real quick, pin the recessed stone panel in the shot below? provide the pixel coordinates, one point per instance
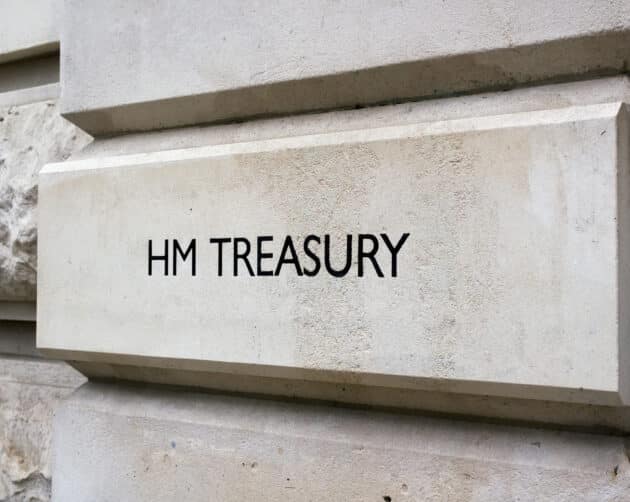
(476, 255)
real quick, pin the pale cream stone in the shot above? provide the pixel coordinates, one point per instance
(28, 28)
(509, 284)
(31, 134)
(30, 390)
(115, 442)
(162, 66)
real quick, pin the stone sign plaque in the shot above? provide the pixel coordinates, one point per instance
(479, 255)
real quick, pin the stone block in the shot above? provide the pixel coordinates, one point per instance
(31, 134)
(114, 442)
(163, 66)
(509, 283)
(30, 390)
(28, 27)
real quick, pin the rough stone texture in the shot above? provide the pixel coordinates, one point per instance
(30, 389)
(30, 135)
(120, 443)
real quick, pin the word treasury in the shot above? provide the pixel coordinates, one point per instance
(237, 256)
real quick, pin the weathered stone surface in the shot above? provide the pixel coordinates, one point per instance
(544, 97)
(163, 66)
(30, 390)
(30, 135)
(508, 284)
(114, 442)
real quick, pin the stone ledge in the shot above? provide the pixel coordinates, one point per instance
(29, 28)
(38, 372)
(28, 74)
(543, 97)
(438, 401)
(388, 56)
(17, 311)
(17, 338)
(137, 443)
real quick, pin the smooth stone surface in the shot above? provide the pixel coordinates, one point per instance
(509, 285)
(31, 134)
(30, 390)
(114, 442)
(438, 402)
(543, 97)
(28, 28)
(128, 65)
(30, 95)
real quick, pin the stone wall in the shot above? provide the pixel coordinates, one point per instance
(507, 381)
(32, 133)
(31, 389)
(168, 444)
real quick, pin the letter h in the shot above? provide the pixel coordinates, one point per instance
(163, 257)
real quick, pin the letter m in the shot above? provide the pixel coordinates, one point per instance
(178, 252)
